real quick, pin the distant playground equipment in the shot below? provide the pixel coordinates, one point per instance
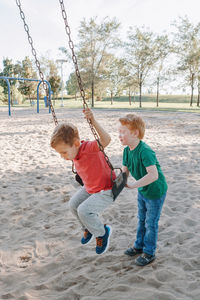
(46, 101)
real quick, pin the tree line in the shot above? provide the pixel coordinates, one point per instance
(21, 90)
(111, 66)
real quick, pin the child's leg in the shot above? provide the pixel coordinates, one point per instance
(79, 197)
(90, 209)
(154, 208)
(139, 243)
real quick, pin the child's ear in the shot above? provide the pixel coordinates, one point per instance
(77, 143)
(136, 132)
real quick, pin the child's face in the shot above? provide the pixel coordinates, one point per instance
(66, 151)
(126, 136)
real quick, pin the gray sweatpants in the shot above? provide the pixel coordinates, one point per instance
(87, 207)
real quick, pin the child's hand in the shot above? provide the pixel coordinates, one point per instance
(130, 186)
(88, 114)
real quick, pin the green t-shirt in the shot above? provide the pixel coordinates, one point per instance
(136, 161)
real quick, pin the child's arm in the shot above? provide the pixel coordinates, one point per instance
(104, 137)
(151, 176)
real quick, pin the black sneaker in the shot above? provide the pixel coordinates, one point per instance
(87, 237)
(144, 259)
(133, 251)
(102, 242)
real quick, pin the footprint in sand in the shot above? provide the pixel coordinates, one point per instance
(48, 188)
(66, 198)
(41, 249)
(24, 261)
(190, 222)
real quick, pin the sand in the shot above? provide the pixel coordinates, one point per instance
(40, 252)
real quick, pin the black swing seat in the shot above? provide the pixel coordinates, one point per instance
(78, 179)
(118, 184)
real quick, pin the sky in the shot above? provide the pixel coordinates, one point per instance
(47, 29)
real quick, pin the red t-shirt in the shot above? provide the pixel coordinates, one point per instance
(92, 167)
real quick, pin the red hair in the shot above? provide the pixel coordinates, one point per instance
(133, 121)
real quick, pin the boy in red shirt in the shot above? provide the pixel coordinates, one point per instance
(96, 194)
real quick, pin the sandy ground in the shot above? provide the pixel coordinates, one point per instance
(40, 252)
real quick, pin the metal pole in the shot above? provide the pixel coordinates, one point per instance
(49, 94)
(38, 97)
(9, 102)
(62, 83)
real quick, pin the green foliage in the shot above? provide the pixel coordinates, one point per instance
(55, 81)
(187, 48)
(27, 88)
(143, 51)
(95, 42)
(2, 95)
(8, 71)
(53, 78)
(72, 85)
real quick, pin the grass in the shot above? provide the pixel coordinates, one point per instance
(152, 98)
(166, 103)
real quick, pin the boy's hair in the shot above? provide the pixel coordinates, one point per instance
(132, 121)
(64, 132)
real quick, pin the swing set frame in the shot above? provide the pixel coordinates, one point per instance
(7, 79)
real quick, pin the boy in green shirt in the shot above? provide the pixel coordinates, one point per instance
(140, 160)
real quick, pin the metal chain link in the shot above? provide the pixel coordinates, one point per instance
(30, 40)
(82, 92)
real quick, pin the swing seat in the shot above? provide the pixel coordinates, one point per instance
(118, 184)
(78, 179)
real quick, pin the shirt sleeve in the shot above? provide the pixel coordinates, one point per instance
(92, 146)
(125, 158)
(148, 157)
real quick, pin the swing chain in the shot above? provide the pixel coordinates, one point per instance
(78, 75)
(30, 40)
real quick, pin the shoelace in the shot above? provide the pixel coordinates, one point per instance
(99, 242)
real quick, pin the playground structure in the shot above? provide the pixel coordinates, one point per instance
(7, 79)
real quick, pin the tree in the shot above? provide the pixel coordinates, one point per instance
(164, 49)
(51, 73)
(95, 41)
(198, 87)
(141, 54)
(8, 71)
(3, 98)
(113, 75)
(27, 88)
(72, 85)
(186, 42)
(53, 77)
(130, 82)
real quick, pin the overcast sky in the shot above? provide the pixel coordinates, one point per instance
(47, 27)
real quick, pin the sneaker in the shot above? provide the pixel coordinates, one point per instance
(133, 251)
(87, 237)
(144, 259)
(102, 242)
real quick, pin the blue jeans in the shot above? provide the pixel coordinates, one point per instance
(148, 216)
